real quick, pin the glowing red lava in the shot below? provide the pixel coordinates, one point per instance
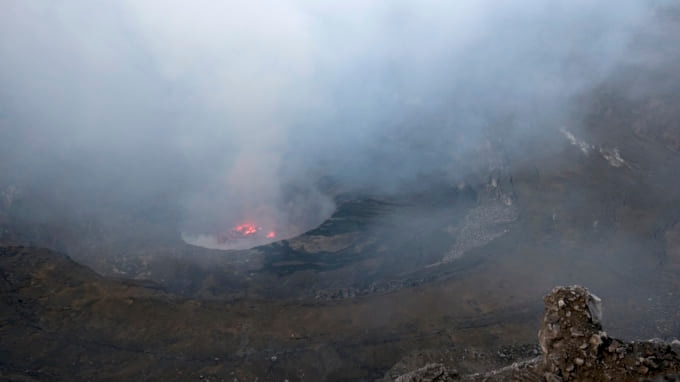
(244, 230)
(247, 229)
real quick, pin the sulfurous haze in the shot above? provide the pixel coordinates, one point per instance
(235, 112)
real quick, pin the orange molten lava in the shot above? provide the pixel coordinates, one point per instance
(247, 229)
(244, 230)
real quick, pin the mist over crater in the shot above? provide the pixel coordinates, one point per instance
(237, 223)
(231, 113)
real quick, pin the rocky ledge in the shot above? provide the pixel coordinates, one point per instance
(575, 348)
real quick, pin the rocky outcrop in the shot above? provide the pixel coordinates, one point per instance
(576, 348)
(571, 335)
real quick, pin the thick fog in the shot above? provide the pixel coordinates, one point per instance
(236, 112)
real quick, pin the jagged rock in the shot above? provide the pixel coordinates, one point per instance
(576, 348)
(571, 335)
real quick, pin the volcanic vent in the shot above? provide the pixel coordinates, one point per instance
(241, 236)
(246, 227)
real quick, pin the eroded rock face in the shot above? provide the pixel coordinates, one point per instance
(576, 348)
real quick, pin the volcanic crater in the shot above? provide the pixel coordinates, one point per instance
(450, 271)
